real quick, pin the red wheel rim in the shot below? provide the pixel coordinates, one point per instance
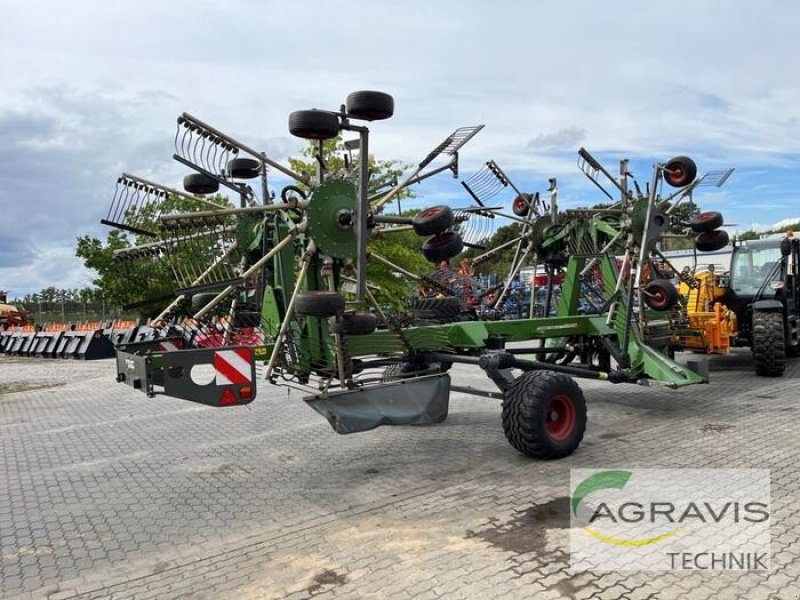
(431, 212)
(658, 297)
(560, 417)
(675, 174)
(706, 216)
(519, 203)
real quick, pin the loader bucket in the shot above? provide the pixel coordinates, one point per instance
(417, 401)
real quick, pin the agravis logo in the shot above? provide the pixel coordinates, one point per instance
(670, 518)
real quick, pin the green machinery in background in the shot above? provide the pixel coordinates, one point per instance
(293, 270)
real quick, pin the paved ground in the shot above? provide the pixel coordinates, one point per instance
(109, 494)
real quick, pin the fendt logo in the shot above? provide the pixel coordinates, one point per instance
(671, 518)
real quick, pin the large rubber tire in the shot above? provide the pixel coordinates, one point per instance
(243, 168)
(358, 323)
(709, 241)
(438, 310)
(661, 294)
(433, 220)
(369, 105)
(706, 221)
(769, 345)
(521, 205)
(544, 414)
(319, 304)
(442, 246)
(313, 124)
(197, 183)
(680, 171)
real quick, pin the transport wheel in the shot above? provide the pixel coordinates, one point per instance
(442, 246)
(769, 346)
(680, 171)
(706, 221)
(660, 294)
(197, 183)
(708, 241)
(544, 414)
(521, 205)
(244, 168)
(369, 105)
(358, 323)
(433, 220)
(313, 124)
(319, 303)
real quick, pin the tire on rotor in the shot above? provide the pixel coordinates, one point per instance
(433, 220)
(709, 241)
(769, 344)
(443, 246)
(200, 184)
(660, 294)
(319, 303)
(544, 414)
(706, 221)
(680, 171)
(200, 300)
(243, 168)
(369, 105)
(313, 124)
(358, 323)
(521, 205)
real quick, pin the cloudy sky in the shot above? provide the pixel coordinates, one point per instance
(92, 88)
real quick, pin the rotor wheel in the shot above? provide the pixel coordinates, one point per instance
(319, 303)
(369, 105)
(433, 220)
(243, 168)
(443, 246)
(706, 221)
(200, 184)
(313, 124)
(769, 344)
(521, 205)
(544, 414)
(709, 241)
(358, 323)
(680, 171)
(660, 295)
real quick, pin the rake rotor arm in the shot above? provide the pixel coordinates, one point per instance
(255, 153)
(169, 190)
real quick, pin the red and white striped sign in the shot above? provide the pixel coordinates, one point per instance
(233, 366)
(170, 346)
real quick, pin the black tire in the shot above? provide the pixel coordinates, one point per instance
(358, 323)
(433, 220)
(246, 318)
(369, 105)
(769, 344)
(313, 124)
(706, 221)
(521, 205)
(243, 168)
(319, 304)
(544, 414)
(709, 241)
(660, 294)
(197, 183)
(680, 171)
(438, 310)
(200, 300)
(442, 246)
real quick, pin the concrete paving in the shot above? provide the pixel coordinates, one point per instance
(110, 494)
